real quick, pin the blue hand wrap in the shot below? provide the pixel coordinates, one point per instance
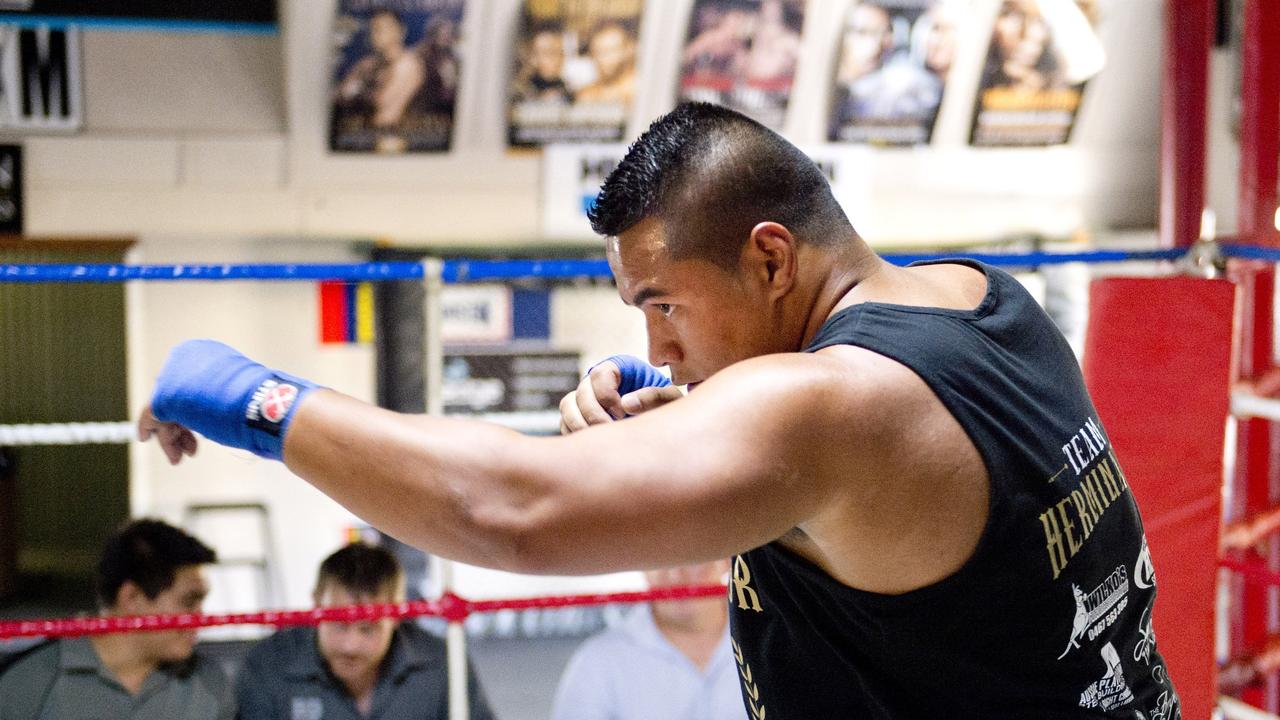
(635, 373)
(212, 389)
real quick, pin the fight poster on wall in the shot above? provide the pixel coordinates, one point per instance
(395, 76)
(1042, 53)
(893, 63)
(742, 54)
(575, 71)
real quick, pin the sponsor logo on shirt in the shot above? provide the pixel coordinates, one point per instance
(1111, 691)
(750, 687)
(740, 586)
(1144, 573)
(1096, 485)
(1099, 609)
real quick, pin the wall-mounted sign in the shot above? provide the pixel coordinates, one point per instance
(508, 382)
(40, 79)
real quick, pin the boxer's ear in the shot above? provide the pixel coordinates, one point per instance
(771, 256)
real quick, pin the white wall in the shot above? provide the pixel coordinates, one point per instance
(217, 135)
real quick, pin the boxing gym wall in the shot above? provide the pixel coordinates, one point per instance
(232, 165)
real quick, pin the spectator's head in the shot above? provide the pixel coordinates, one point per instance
(152, 568)
(685, 613)
(357, 574)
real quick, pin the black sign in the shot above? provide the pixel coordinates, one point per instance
(508, 382)
(10, 190)
(228, 11)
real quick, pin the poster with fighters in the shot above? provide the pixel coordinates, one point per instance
(575, 71)
(1042, 52)
(893, 63)
(742, 54)
(395, 75)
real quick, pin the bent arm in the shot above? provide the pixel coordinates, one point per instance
(731, 467)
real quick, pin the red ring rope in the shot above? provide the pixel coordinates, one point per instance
(451, 607)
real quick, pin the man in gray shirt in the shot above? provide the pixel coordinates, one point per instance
(371, 670)
(147, 568)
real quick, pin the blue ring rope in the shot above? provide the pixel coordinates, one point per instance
(470, 271)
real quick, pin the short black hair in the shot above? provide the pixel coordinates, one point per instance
(148, 553)
(361, 569)
(717, 173)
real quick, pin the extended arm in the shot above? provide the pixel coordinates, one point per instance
(724, 470)
(746, 458)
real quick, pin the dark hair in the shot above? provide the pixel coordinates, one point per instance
(147, 553)
(715, 174)
(361, 569)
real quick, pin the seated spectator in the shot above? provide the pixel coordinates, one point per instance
(668, 660)
(147, 568)
(380, 670)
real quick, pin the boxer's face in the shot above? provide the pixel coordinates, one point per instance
(354, 651)
(699, 317)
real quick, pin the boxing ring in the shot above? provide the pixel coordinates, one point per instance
(1183, 520)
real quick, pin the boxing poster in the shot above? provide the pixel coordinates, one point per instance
(742, 54)
(575, 71)
(891, 70)
(395, 76)
(1041, 54)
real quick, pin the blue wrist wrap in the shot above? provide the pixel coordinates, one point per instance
(635, 373)
(212, 389)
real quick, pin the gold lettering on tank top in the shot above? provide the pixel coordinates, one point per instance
(747, 597)
(750, 687)
(1100, 483)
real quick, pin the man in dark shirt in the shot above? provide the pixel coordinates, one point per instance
(903, 461)
(375, 670)
(147, 568)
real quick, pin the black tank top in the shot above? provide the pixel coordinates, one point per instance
(1050, 617)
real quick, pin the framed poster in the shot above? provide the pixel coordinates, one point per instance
(575, 71)
(742, 54)
(395, 75)
(1042, 52)
(892, 68)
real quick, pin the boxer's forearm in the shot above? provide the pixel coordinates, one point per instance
(448, 486)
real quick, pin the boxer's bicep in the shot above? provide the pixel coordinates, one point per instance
(745, 459)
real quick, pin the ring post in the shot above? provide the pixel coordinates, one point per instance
(432, 382)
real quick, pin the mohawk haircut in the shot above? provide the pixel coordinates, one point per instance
(710, 175)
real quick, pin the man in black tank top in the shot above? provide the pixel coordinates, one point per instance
(925, 515)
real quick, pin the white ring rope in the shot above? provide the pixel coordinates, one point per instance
(89, 433)
(1245, 404)
(1233, 709)
(123, 433)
